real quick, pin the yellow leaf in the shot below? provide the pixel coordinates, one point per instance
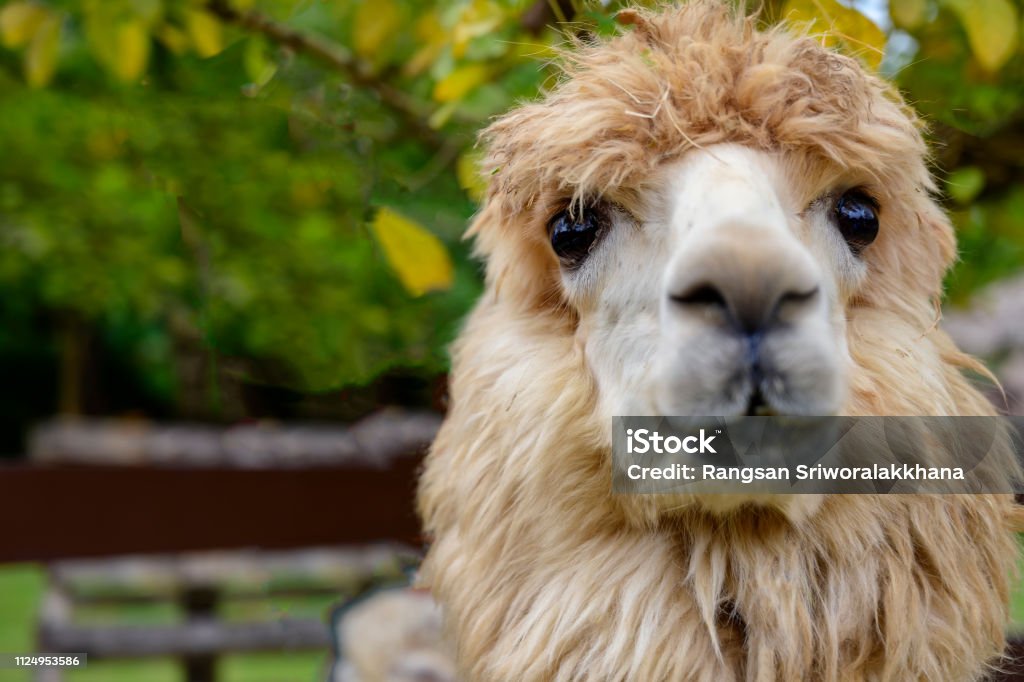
(459, 82)
(441, 116)
(418, 257)
(375, 22)
(992, 29)
(467, 170)
(205, 31)
(429, 28)
(131, 51)
(478, 18)
(433, 37)
(19, 21)
(41, 55)
(907, 13)
(173, 38)
(120, 42)
(422, 59)
(839, 26)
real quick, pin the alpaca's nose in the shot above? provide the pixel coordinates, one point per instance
(746, 279)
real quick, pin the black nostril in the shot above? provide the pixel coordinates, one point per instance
(755, 403)
(749, 310)
(701, 294)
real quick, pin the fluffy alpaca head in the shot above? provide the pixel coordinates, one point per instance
(726, 221)
(699, 177)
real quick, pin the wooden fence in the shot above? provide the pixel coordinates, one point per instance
(94, 489)
(199, 585)
(173, 514)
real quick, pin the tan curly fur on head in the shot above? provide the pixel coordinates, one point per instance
(712, 159)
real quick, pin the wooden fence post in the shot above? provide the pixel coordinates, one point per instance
(199, 604)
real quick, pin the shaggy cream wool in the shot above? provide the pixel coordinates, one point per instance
(543, 574)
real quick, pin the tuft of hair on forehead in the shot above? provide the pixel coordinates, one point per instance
(690, 76)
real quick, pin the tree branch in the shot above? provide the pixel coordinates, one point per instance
(335, 57)
(542, 14)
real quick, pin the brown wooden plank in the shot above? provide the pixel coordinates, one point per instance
(62, 512)
(194, 639)
(373, 441)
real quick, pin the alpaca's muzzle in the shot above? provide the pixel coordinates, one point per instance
(745, 318)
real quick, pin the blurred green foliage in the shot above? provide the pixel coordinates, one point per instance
(278, 187)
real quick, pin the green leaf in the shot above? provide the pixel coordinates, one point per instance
(907, 14)
(467, 170)
(375, 22)
(964, 184)
(258, 66)
(418, 257)
(839, 26)
(992, 29)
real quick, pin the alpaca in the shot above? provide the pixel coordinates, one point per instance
(705, 218)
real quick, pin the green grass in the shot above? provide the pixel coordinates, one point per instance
(21, 588)
(298, 667)
(305, 667)
(1017, 608)
(1017, 598)
(149, 670)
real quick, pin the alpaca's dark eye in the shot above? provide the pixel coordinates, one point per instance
(857, 218)
(574, 230)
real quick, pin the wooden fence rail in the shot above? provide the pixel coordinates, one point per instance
(106, 488)
(60, 512)
(190, 639)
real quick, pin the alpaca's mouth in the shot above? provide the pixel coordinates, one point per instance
(757, 406)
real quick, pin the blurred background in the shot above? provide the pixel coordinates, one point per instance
(231, 213)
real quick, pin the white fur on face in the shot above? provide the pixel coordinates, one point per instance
(714, 288)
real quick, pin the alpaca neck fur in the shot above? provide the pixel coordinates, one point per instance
(544, 575)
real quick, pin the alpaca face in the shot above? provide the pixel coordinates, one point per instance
(724, 221)
(707, 219)
(717, 293)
